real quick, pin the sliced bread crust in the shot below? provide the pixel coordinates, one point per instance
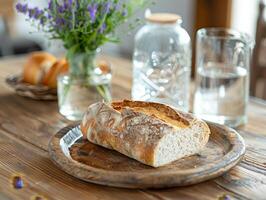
(152, 133)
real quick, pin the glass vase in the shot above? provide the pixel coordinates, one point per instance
(85, 84)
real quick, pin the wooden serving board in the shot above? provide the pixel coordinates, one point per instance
(96, 164)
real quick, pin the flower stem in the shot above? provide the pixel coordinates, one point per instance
(82, 67)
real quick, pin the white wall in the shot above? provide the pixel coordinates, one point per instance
(184, 8)
(244, 16)
(26, 30)
(23, 27)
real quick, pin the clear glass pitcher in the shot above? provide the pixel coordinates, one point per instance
(223, 59)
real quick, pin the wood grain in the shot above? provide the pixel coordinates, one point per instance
(27, 125)
(106, 167)
(42, 177)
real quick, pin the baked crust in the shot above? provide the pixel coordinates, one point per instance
(59, 67)
(36, 66)
(131, 128)
(161, 109)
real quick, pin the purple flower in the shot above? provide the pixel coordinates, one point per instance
(61, 9)
(118, 6)
(17, 182)
(31, 12)
(22, 8)
(49, 16)
(50, 5)
(103, 28)
(124, 13)
(68, 4)
(106, 8)
(43, 20)
(59, 22)
(37, 13)
(93, 11)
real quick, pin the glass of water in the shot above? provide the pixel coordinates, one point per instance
(222, 81)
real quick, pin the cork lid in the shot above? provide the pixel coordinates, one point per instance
(163, 18)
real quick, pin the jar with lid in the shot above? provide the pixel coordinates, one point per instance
(162, 62)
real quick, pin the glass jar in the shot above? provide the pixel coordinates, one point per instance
(86, 83)
(162, 62)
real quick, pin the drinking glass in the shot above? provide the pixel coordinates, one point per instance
(222, 80)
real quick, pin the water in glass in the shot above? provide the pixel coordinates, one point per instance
(76, 94)
(222, 93)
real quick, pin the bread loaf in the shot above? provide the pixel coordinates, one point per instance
(59, 67)
(36, 67)
(151, 133)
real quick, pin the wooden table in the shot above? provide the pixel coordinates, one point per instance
(26, 126)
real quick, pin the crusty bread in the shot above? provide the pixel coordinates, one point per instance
(59, 67)
(36, 67)
(151, 133)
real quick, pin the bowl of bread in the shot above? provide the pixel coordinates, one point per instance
(135, 144)
(39, 77)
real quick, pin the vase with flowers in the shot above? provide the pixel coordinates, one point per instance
(83, 26)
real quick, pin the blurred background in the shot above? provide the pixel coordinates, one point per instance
(17, 36)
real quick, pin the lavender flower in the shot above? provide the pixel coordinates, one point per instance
(50, 5)
(118, 6)
(124, 13)
(59, 22)
(65, 18)
(93, 11)
(103, 28)
(37, 13)
(107, 7)
(49, 16)
(68, 4)
(43, 20)
(22, 8)
(61, 9)
(31, 12)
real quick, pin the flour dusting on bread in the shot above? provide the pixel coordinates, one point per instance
(151, 133)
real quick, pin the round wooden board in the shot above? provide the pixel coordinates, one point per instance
(96, 164)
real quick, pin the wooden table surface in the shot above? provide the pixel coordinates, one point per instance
(27, 125)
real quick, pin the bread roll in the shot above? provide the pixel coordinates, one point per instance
(36, 67)
(151, 133)
(104, 66)
(60, 67)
